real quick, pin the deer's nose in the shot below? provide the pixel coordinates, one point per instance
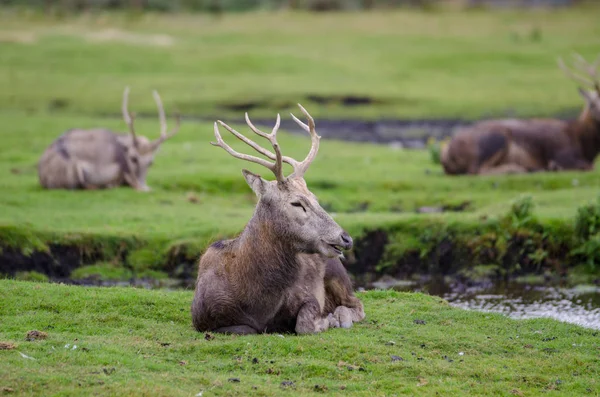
(347, 240)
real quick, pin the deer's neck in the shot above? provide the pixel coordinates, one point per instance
(266, 257)
(586, 132)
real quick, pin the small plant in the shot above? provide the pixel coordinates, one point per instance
(587, 221)
(538, 257)
(587, 232)
(521, 211)
(31, 276)
(435, 148)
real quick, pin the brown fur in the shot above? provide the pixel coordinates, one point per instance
(281, 273)
(518, 146)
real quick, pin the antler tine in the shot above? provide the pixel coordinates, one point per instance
(163, 122)
(259, 132)
(250, 142)
(275, 167)
(270, 137)
(596, 63)
(589, 69)
(574, 76)
(300, 168)
(595, 66)
(161, 113)
(128, 117)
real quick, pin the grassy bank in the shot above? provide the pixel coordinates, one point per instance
(199, 195)
(139, 342)
(396, 63)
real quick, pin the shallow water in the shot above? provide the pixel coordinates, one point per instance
(572, 304)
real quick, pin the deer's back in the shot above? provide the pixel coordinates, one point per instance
(96, 146)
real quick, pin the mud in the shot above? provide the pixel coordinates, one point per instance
(446, 254)
(402, 133)
(58, 262)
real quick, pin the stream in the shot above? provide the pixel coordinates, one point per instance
(576, 304)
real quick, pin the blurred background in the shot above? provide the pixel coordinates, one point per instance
(248, 5)
(388, 82)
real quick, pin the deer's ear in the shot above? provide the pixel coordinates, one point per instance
(256, 182)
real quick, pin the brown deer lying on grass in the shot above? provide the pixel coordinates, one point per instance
(99, 158)
(518, 146)
(283, 272)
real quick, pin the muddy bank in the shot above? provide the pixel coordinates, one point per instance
(408, 133)
(56, 262)
(465, 253)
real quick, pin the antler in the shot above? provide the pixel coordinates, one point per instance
(276, 167)
(300, 168)
(582, 66)
(163, 123)
(128, 117)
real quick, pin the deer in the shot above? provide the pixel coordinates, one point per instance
(99, 158)
(283, 273)
(513, 146)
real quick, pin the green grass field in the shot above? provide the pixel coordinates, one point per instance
(135, 342)
(57, 74)
(413, 64)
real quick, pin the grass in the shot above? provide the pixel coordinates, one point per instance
(409, 63)
(57, 74)
(140, 342)
(61, 73)
(388, 184)
(199, 195)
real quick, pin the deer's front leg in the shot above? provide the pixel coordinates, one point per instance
(310, 320)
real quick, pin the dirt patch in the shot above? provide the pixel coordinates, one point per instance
(242, 106)
(278, 105)
(17, 36)
(465, 205)
(35, 335)
(6, 346)
(344, 100)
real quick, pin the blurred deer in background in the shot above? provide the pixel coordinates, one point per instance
(518, 146)
(283, 272)
(99, 158)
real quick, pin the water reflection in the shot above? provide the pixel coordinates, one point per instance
(573, 304)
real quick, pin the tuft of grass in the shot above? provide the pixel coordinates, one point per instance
(31, 276)
(104, 271)
(130, 341)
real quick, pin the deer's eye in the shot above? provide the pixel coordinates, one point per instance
(298, 204)
(134, 160)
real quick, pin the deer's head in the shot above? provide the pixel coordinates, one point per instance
(140, 150)
(286, 205)
(587, 75)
